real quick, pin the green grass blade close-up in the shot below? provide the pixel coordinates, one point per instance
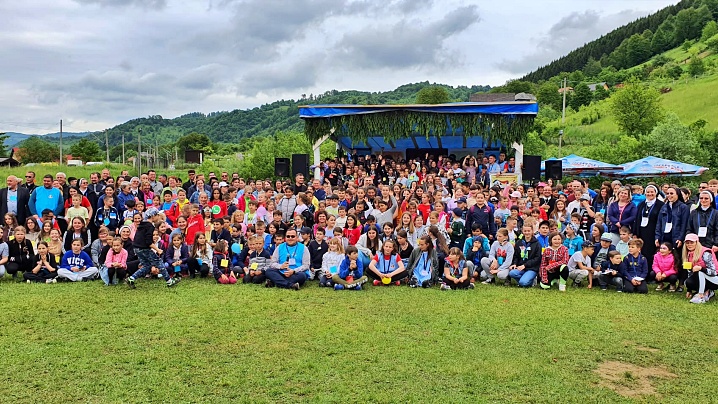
(201, 342)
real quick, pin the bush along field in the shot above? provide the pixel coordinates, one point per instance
(201, 342)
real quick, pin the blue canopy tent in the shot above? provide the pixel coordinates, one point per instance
(582, 166)
(657, 167)
(459, 128)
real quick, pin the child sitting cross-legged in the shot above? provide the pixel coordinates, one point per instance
(351, 271)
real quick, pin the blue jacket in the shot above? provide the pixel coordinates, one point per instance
(43, 198)
(679, 214)
(344, 270)
(632, 267)
(170, 254)
(626, 219)
(484, 216)
(470, 243)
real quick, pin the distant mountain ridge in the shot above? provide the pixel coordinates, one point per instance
(15, 137)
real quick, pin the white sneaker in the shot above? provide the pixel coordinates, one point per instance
(697, 299)
(709, 295)
(28, 281)
(561, 287)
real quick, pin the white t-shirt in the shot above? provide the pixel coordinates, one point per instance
(576, 258)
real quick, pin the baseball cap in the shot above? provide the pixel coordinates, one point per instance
(223, 184)
(586, 197)
(587, 244)
(692, 237)
(461, 200)
(458, 212)
(516, 194)
(606, 237)
(305, 230)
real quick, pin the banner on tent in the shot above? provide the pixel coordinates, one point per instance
(504, 179)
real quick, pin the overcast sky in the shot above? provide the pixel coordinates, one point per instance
(98, 63)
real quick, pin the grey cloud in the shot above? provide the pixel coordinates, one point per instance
(410, 6)
(100, 92)
(407, 43)
(569, 33)
(301, 75)
(260, 26)
(155, 4)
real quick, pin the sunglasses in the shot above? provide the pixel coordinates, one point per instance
(290, 236)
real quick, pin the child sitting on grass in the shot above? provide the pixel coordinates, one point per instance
(221, 265)
(331, 261)
(456, 271)
(611, 272)
(150, 261)
(351, 271)
(259, 260)
(635, 269)
(45, 269)
(664, 267)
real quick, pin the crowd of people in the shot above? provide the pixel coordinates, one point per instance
(436, 221)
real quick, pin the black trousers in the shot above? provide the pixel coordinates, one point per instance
(671, 280)
(256, 279)
(193, 267)
(628, 287)
(120, 272)
(41, 276)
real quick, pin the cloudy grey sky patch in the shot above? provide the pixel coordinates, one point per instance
(98, 63)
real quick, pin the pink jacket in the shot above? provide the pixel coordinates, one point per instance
(664, 265)
(121, 257)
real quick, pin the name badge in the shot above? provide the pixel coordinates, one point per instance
(57, 259)
(669, 227)
(224, 263)
(702, 231)
(644, 221)
(253, 266)
(292, 261)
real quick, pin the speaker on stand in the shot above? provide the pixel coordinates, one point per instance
(281, 167)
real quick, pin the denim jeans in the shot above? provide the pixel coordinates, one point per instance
(149, 259)
(524, 278)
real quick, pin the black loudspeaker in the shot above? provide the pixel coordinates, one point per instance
(532, 168)
(554, 169)
(300, 164)
(281, 167)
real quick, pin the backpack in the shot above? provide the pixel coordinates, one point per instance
(308, 216)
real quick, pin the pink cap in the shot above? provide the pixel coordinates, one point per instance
(692, 237)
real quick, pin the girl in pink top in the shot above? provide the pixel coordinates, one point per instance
(664, 268)
(116, 261)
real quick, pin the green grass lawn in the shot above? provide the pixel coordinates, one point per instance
(201, 342)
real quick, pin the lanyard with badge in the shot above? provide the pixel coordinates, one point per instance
(290, 258)
(703, 230)
(669, 225)
(644, 218)
(386, 264)
(425, 258)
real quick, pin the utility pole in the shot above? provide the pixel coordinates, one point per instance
(60, 141)
(107, 146)
(154, 163)
(123, 148)
(563, 114)
(139, 152)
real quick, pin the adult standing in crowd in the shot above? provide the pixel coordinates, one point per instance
(672, 219)
(46, 197)
(299, 185)
(621, 213)
(29, 183)
(14, 199)
(646, 222)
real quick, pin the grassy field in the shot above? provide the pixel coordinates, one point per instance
(201, 342)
